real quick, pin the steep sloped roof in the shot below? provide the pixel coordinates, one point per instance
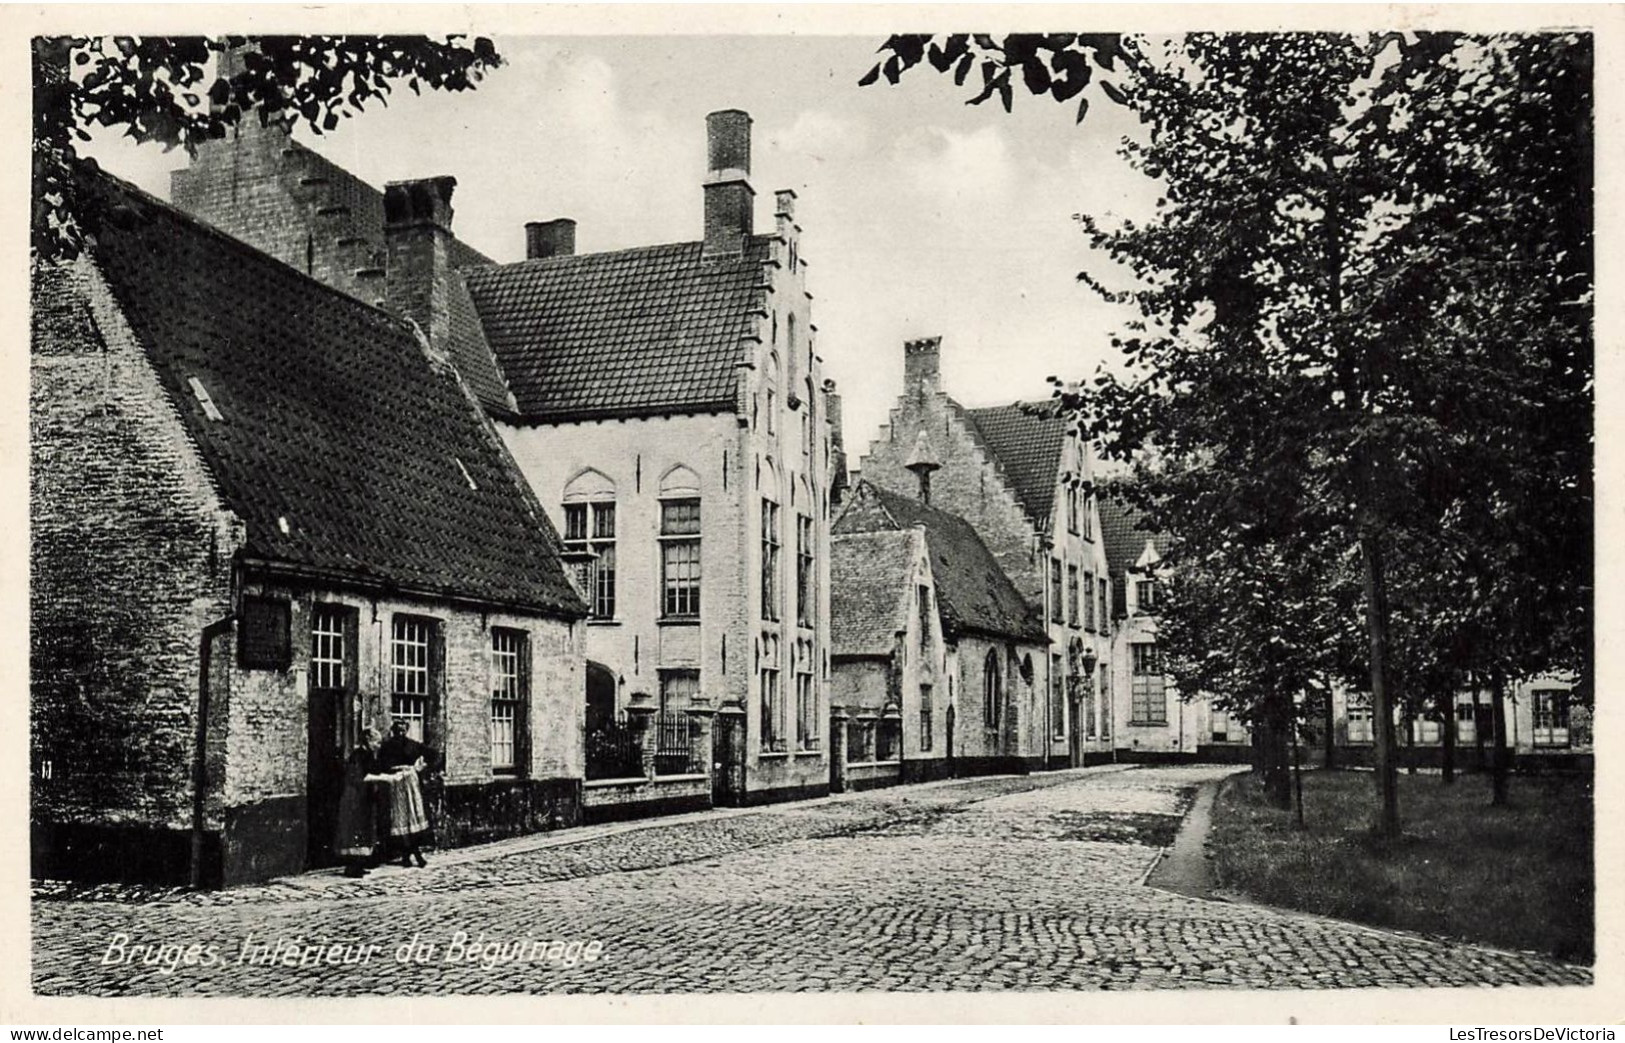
(869, 576)
(342, 447)
(653, 330)
(1028, 448)
(1123, 539)
(973, 592)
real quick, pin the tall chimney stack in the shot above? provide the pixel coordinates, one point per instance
(417, 275)
(729, 199)
(556, 238)
(922, 362)
(837, 443)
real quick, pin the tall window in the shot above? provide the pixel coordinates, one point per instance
(1089, 601)
(680, 557)
(1105, 605)
(510, 670)
(806, 602)
(992, 688)
(770, 560)
(1221, 726)
(927, 720)
(1087, 707)
(411, 692)
(1055, 590)
(807, 717)
(1551, 712)
(1145, 595)
(591, 527)
(773, 718)
(1072, 508)
(1088, 524)
(1148, 705)
(1358, 713)
(678, 689)
(1072, 595)
(1105, 702)
(1057, 695)
(329, 649)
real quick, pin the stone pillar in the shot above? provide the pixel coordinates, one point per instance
(640, 713)
(728, 779)
(837, 749)
(701, 712)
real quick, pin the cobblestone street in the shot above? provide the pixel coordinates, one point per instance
(1008, 883)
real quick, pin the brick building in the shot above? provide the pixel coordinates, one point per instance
(940, 625)
(264, 515)
(665, 403)
(1024, 482)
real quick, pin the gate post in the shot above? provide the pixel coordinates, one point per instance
(728, 778)
(701, 712)
(640, 714)
(837, 749)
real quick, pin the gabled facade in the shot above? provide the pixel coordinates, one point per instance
(666, 404)
(265, 515)
(1024, 481)
(992, 643)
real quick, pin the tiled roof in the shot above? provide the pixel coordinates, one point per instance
(1122, 537)
(470, 353)
(869, 575)
(1028, 450)
(344, 450)
(652, 330)
(974, 594)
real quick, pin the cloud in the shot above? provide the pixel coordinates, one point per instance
(821, 135)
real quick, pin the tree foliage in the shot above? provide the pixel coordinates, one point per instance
(184, 91)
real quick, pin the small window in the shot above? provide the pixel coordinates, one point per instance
(264, 639)
(1145, 595)
(332, 648)
(808, 719)
(678, 689)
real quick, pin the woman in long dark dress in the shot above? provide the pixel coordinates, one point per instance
(356, 842)
(405, 758)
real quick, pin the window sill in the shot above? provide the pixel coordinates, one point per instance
(1148, 724)
(603, 622)
(773, 755)
(810, 753)
(678, 621)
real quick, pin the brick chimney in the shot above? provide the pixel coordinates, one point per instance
(417, 233)
(837, 443)
(556, 238)
(922, 361)
(729, 199)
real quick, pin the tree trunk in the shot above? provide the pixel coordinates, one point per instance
(1447, 734)
(1410, 743)
(1501, 755)
(1271, 758)
(1297, 776)
(1331, 730)
(1382, 712)
(1478, 732)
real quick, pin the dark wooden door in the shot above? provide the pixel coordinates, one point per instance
(324, 774)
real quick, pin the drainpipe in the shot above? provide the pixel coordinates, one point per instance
(211, 632)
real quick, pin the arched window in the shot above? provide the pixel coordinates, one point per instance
(992, 688)
(589, 525)
(680, 543)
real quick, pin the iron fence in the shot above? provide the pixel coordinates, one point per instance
(677, 749)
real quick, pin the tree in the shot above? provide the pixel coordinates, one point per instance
(183, 91)
(1332, 335)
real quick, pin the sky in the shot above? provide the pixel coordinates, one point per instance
(921, 215)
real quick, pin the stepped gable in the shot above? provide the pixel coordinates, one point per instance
(328, 431)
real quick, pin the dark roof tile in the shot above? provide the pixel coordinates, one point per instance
(1027, 447)
(334, 420)
(869, 573)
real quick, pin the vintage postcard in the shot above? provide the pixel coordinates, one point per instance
(970, 511)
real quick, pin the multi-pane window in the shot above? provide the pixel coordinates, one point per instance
(1551, 720)
(805, 600)
(327, 648)
(807, 718)
(1072, 509)
(927, 722)
(1359, 717)
(680, 557)
(509, 668)
(1145, 595)
(1055, 589)
(770, 560)
(411, 695)
(922, 595)
(1149, 704)
(1057, 695)
(591, 527)
(1072, 595)
(1105, 605)
(1089, 601)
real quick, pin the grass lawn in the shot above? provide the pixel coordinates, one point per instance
(1518, 877)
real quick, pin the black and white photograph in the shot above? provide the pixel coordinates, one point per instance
(559, 508)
